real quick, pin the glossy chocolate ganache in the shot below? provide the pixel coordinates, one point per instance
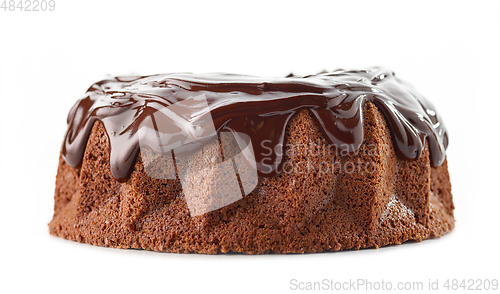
(255, 106)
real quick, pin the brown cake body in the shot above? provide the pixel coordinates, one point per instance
(369, 198)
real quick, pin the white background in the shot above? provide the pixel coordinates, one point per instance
(447, 50)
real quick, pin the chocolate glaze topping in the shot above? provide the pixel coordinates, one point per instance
(257, 107)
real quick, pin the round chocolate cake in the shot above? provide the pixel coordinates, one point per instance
(218, 163)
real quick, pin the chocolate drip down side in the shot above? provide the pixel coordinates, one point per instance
(257, 107)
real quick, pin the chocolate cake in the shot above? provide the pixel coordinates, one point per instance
(219, 163)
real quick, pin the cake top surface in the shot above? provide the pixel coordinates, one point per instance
(195, 107)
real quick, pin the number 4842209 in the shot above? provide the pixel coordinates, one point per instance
(28, 5)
